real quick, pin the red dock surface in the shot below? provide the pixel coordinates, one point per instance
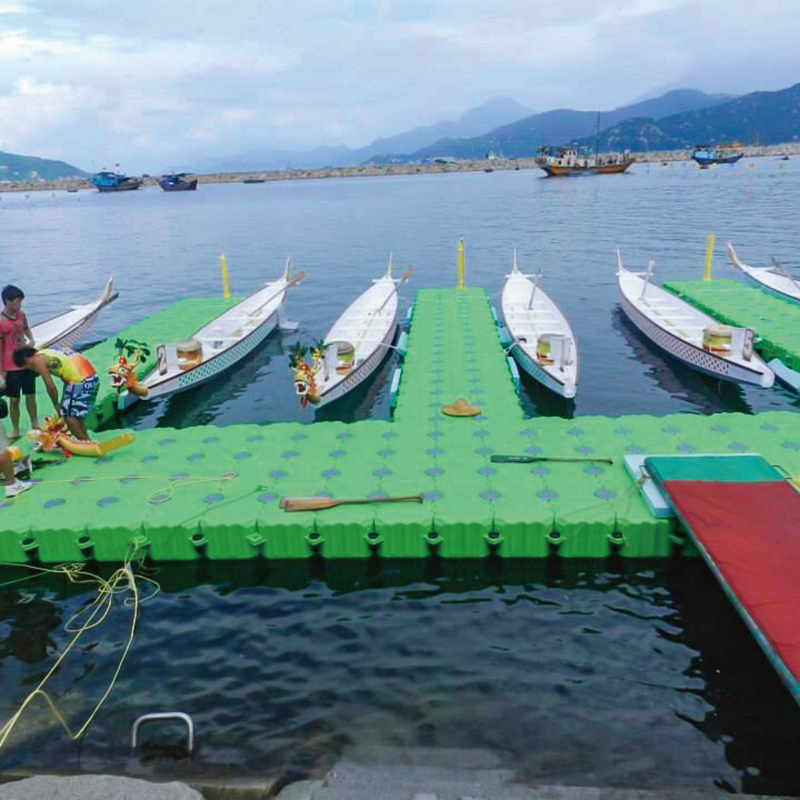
(744, 516)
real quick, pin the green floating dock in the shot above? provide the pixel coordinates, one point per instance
(776, 322)
(214, 492)
(170, 324)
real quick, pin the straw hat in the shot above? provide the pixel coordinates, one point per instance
(461, 408)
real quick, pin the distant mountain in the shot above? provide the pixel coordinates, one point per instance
(29, 168)
(760, 117)
(525, 136)
(491, 114)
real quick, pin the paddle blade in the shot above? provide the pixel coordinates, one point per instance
(307, 503)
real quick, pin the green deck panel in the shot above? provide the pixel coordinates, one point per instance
(171, 324)
(217, 490)
(776, 322)
(747, 468)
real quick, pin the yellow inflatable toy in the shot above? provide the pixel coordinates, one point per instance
(54, 435)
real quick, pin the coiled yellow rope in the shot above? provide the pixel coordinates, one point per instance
(121, 581)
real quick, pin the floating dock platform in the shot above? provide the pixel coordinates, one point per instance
(776, 321)
(214, 492)
(745, 518)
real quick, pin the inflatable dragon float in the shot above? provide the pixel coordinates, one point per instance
(55, 436)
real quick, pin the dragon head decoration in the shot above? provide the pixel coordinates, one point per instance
(305, 383)
(46, 439)
(130, 353)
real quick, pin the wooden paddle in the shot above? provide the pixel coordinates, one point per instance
(533, 459)
(319, 503)
(296, 279)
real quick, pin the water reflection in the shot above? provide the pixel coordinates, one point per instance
(701, 391)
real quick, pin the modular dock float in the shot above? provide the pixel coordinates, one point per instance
(214, 493)
(775, 321)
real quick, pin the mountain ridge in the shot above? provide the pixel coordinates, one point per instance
(558, 126)
(15, 167)
(766, 117)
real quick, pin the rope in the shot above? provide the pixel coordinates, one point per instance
(96, 612)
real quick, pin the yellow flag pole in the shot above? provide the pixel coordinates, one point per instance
(709, 256)
(226, 291)
(461, 264)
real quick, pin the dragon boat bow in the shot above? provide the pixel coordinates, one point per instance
(65, 330)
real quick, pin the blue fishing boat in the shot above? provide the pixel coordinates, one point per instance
(107, 181)
(705, 155)
(178, 182)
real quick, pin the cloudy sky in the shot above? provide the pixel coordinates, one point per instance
(155, 83)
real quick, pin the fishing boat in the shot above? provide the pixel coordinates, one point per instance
(216, 347)
(542, 341)
(775, 280)
(65, 330)
(689, 335)
(353, 348)
(705, 155)
(254, 180)
(178, 182)
(107, 181)
(559, 162)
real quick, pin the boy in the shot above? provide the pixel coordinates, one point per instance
(13, 486)
(15, 332)
(80, 383)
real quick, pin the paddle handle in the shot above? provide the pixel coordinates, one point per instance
(403, 278)
(296, 279)
(320, 503)
(498, 459)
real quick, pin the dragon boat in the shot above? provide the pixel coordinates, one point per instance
(65, 330)
(542, 341)
(689, 335)
(216, 347)
(353, 348)
(775, 280)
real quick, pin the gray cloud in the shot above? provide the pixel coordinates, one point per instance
(157, 83)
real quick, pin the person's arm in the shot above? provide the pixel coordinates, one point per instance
(40, 368)
(27, 330)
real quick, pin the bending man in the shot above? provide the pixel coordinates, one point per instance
(80, 383)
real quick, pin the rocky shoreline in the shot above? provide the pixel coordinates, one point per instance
(374, 170)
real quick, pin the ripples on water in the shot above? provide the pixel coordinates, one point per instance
(587, 673)
(594, 673)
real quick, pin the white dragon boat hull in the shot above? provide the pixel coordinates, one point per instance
(529, 315)
(67, 329)
(355, 345)
(224, 342)
(678, 329)
(779, 284)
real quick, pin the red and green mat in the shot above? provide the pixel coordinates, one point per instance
(744, 516)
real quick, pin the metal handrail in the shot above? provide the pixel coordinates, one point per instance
(164, 715)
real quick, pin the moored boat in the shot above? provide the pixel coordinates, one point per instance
(107, 181)
(216, 347)
(178, 182)
(542, 341)
(775, 280)
(353, 348)
(65, 330)
(689, 335)
(705, 155)
(560, 162)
